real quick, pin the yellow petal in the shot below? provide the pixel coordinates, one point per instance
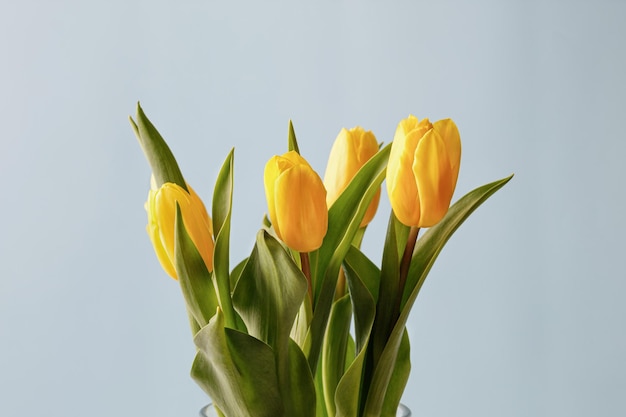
(433, 174)
(449, 132)
(340, 165)
(301, 211)
(161, 224)
(270, 176)
(153, 232)
(350, 151)
(371, 210)
(401, 184)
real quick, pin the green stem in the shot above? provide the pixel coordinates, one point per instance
(306, 270)
(405, 264)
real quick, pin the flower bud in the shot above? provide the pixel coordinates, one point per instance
(161, 208)
(351, 150)
(296, 200)
(423, 169)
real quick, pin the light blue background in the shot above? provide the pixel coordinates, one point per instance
(522, 316)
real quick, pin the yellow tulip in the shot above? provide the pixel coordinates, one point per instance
(296, 201)
(423, 169)
(351, 150)
(161, 208)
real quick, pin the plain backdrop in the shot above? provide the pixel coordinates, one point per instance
(523, 315)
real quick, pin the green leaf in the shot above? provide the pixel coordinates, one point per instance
(268, 295)
(221, 211)
(293, 143)
(344, 218)
(320, 404)
(432, 242)
(399, 378)
(362, 277)
(223, 194)
(270, 291)
(160, 157)
(193, 276)
(395, 243)
(301, 396)
(349, 388)
(425, 254)
(334, 350)
(363, 280)
(237, 371)
(236, 273)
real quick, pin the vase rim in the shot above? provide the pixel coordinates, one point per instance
(403, 410)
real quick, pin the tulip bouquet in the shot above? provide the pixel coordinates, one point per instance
(307, 325)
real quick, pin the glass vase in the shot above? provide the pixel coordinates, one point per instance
(209, 411)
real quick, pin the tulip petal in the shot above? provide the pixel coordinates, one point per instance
(301, 211)
(401, 183)
(340, 167)
(433, 173)
(155, 237)
(449, 132)
(270, 174)
(161, 218)
(350, 151)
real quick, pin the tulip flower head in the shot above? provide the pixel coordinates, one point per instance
(296, 200)
(350, 151)
(161, 208)
(423, 169)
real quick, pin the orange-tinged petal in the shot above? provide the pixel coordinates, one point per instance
(301, 211)
(402, 189)
(296, 200)
(371, 210)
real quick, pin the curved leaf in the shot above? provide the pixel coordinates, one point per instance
(193, 275)
(363, 280)
(301, 396)
(425, 254)
(432, 242)
(237, 371)
(399, 378)
(334, 350)
(362, 277)
(221, 211)
(159, 156)
(344, 218)
(268, 295)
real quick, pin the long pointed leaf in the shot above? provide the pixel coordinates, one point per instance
(344, 218)
(293, 143)
(427, 250)
(160, 157)
(221, 210)
(399, 378)
(334, 351)
(193, 276)
(358, 272)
